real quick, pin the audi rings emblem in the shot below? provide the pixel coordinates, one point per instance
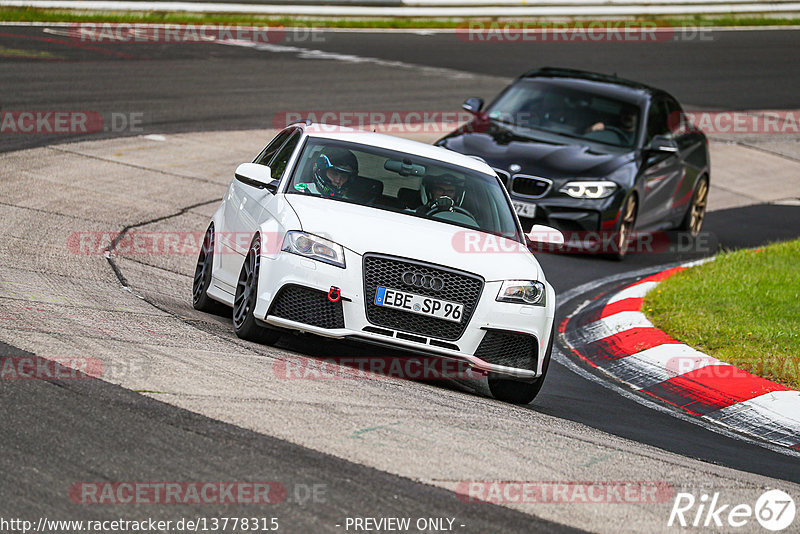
(422, 281)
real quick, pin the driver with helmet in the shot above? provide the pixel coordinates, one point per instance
(440, 193)
(333, 174)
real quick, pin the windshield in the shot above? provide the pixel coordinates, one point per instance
(403, 183)
(568, 112)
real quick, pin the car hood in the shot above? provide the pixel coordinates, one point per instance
(544, 155)
(364, 229)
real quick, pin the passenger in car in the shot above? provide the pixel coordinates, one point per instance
(333, 174)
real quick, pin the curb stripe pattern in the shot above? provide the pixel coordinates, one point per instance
(613, 335)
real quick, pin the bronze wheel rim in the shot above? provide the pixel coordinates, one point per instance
(698, 208)
(626, 225)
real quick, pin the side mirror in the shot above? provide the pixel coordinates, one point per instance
(474, 105)
(545, 235)
(256, 175)
(663, 143)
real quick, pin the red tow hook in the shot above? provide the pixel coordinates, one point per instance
(334, 294)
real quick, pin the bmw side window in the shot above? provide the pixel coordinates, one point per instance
(278, 164)
(272, 148)
(657, 120)
(676, 120)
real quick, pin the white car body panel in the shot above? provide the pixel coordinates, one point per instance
(363, 229)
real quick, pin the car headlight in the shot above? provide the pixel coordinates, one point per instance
(314, 247)
(589, 189)
(522, 292)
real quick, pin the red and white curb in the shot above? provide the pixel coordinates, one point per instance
(614, 336)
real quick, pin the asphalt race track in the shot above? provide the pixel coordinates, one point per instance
(198, 87)
(205, 410)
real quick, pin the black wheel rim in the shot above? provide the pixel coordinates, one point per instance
(202, 272)
(245, 298)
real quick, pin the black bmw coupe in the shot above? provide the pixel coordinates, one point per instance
(592, 155)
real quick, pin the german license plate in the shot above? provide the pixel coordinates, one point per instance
(443, 309)
(524, 209)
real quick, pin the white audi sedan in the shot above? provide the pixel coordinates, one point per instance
(350, 234)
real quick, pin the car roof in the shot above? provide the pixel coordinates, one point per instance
(610, 84)
(390, 142)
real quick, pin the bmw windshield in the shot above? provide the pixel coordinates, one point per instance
(403, 183)
(568, 112)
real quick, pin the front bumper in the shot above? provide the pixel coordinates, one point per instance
(574, 215)
(287, 269)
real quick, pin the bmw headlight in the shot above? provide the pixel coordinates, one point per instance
(589, 189)
(522, 292)
(314, 247)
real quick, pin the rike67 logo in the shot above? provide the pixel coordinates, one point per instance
(774, 510)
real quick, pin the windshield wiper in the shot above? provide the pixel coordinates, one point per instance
(587, 139)
(501, 121)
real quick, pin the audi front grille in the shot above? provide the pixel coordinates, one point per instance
(387, 271)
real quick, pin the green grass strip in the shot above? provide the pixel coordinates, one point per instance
(742, 308)
(22, 14)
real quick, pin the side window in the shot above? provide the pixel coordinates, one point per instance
(278, 163)
(676, 120)
(657, 119)
(275, 144)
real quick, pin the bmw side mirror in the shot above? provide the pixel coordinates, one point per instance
(256, 175)
(663, 143)
(546, 235)
(474, 105)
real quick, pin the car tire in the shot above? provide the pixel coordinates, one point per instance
(517, 391)
(202, 276)
(627, 225)
(244, 302)
(693, 220)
